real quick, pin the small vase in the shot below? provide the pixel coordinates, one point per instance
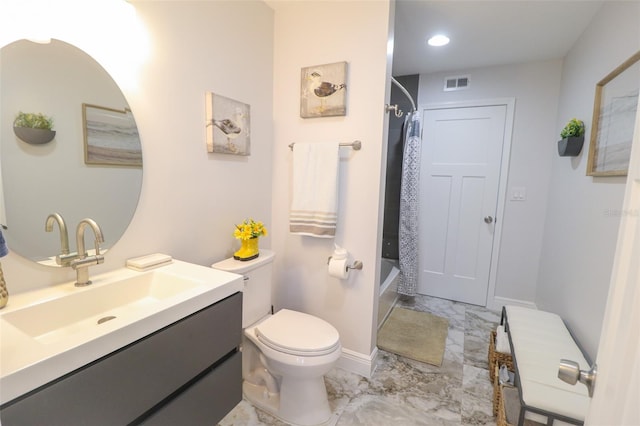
(570, 146)
(4, 294)
(34, 136)
(248, 250)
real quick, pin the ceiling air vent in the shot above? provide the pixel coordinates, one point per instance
(456, 83)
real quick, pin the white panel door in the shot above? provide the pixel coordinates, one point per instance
(459, 183)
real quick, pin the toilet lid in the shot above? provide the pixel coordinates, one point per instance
(298, 334)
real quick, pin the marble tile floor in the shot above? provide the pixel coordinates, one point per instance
(406, 392)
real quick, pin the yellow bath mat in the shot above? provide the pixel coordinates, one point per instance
(417, 335)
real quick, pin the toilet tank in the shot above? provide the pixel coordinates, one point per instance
(256, 292)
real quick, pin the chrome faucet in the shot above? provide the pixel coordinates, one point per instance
(64, 258)
(83, 261)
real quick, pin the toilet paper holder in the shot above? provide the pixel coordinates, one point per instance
(356, 264)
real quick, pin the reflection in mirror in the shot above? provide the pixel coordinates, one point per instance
(56, 79)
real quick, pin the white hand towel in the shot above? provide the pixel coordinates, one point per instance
(314, 206)
(502, 341)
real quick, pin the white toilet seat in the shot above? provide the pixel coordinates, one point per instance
(296, 333)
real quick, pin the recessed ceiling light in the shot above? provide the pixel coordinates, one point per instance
(438, 40)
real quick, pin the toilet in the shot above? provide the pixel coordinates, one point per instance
(285, 355)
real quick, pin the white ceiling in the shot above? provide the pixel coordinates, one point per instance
(485, 33)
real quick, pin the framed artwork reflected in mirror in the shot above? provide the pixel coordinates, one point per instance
(110, 137)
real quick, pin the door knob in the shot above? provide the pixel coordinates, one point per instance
(570, 372)
(488, 219)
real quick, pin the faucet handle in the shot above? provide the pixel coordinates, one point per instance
(66, 259)
(87, 261)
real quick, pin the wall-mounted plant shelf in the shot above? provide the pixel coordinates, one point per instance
(34, 136)
(571, 146)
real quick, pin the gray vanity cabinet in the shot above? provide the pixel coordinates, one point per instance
(187, 373)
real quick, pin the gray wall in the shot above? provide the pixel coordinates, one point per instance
(583, 213)
(535, 87)
(394, 164)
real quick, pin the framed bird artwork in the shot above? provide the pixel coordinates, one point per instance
(323, 90)
(228, 125)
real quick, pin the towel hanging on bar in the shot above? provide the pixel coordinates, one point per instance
(356, 145)
(314, 205)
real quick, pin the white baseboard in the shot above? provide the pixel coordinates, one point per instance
(498, 302)
(355, 362)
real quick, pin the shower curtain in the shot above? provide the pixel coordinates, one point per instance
(409, 203)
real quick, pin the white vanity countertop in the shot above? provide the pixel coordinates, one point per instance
(29, 360)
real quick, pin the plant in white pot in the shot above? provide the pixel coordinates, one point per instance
(572, 138)
(33, 128)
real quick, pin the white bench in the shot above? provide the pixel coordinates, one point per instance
(539, 340)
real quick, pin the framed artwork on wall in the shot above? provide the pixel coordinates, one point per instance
(323, 90)
(110, 137)
(614, 114)
(228, 125)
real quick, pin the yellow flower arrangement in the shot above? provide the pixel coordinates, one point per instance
(249, 229)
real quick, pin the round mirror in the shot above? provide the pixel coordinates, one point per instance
(91, 168)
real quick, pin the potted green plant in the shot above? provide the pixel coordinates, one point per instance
(572, 138)
(33, 128)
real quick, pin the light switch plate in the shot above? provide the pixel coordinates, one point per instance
(518, 193)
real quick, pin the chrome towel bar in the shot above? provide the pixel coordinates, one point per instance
(356, 145)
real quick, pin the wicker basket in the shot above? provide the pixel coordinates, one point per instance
(496, 359)
(496, 392)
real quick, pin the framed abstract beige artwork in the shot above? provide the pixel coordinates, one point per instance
(614, 114)
(110, 137)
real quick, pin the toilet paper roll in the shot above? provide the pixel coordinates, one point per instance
(338, 268)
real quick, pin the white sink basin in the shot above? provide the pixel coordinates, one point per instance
(56, 319)
(47, 333)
